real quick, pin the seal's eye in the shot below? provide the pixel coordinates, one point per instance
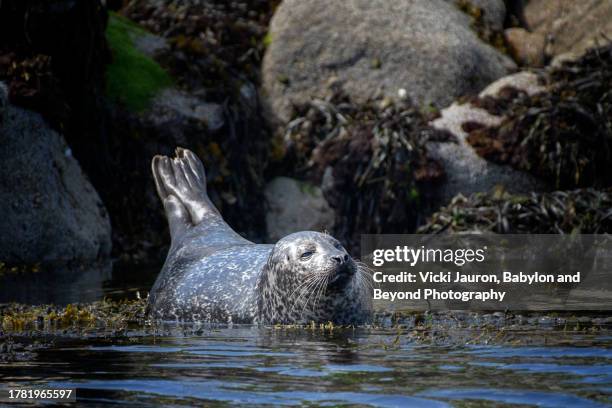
(306, 255)
(337, 245)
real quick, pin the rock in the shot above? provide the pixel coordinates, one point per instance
(559, 60)
(493, 12)
(296, 206)
(149, 44)
(423, 46)
(69, 91)
(172, 103)
(466, 171)
(526, 48)
(49, 209)
(525, 81)
(3, 104)
(572, 26)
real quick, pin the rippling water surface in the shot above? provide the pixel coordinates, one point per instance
(259, 366)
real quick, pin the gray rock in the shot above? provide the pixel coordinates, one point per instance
(525, 81)
(466, 171)
(296, 206)
(50, 211)
(375, 46)
(149, 44)
(172, 104)
(570, 26)
(494, 11)
(3, 103)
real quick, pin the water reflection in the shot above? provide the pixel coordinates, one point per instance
(61, 283)
(54, 283)
(259, 366)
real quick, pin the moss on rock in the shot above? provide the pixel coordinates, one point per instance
(132, 78)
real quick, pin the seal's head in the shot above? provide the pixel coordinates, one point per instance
(309, 276)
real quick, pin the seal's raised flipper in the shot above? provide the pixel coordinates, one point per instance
(181, 185)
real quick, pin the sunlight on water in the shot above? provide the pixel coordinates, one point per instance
(255, 366)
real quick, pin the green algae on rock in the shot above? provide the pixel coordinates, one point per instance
(585, 211)
(211, 43)
(132, 78)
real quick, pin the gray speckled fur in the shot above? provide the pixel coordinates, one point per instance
(213, 274)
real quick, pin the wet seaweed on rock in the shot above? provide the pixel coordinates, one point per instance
(370, 159)
(211, 42)
(585, 211)
(564, 134)
(104, 315)
(481, 27)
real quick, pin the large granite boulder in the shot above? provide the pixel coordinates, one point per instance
(570, 26)
(50, 211)
(296, 206)
(426, 47)
(466, 171)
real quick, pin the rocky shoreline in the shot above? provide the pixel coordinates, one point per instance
(356, 117)
(24, 330)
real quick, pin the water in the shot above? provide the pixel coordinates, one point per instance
(537, 364)
(257, 366)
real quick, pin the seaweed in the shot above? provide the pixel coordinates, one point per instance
(212, 42)
(563, 135)
(102, 315)
(480, 26)
(370, 158)
(585, 211)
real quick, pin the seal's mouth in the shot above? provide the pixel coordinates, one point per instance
(342, 275)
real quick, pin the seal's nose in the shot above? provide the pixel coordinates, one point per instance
(341, 259)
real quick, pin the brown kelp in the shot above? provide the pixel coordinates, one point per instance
(586, 211)
(370, 158)
(564, 134)
(211, 42)
(481, 27)
(103, 314)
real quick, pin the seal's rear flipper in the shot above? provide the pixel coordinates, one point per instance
(181, 185)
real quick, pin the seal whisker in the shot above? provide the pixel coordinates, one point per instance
(312, 291)
(307, 280)
(303, 290)
(312, 282)
(366, 274)
(367, 288)
(364, 267)
(322, 290)
(367, 279)
(325, 285)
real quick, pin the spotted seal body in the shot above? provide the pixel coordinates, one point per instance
(213, 274)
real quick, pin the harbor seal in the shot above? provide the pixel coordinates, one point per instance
(213, 274)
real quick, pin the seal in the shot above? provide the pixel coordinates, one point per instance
(213, 274)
